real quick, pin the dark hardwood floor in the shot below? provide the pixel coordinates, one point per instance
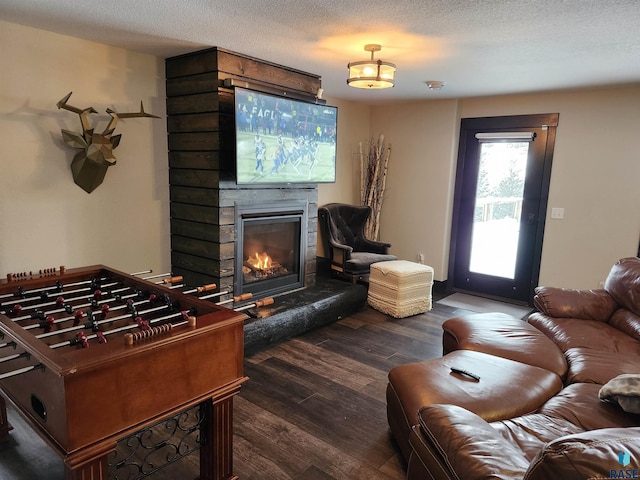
(313, 409)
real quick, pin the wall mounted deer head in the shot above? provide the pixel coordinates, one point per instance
(89, 166)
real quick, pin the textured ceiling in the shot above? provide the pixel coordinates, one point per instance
(477, 47)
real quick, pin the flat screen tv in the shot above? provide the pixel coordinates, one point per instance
(282, 140)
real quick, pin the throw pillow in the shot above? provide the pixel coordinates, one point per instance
(623, 390)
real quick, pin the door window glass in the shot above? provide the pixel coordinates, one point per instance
(498, 208)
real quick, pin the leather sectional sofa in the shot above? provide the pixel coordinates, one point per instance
(557, 396)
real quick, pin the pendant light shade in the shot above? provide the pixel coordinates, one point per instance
(371, 73)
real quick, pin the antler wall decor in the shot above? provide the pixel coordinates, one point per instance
(89, 166)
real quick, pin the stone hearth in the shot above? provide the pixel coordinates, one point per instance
(309, 308)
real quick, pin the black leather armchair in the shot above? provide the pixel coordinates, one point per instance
(350, 252)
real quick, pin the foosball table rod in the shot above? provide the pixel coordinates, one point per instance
(131, 338)
(170, 280)
(113, 295)
(83, 340)
(136, 274)
(8, 358)
(155, 276)
(236, 299)
(8, 344)
(47, 321)
(258, 303)
(58, 287)
(20, 371)
(214, 295)
(166, 281)
(204, 288)
(97, 323)
(60, 299)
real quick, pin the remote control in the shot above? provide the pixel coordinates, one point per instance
(465, 372)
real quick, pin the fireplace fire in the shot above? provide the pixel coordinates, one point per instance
(270, 248)
(260, 262)
(259, 266)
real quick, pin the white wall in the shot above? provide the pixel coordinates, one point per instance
(353, 127)
(416, 214)
(45, 219)
(594, 178)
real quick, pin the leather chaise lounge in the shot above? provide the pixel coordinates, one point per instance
(557, 396)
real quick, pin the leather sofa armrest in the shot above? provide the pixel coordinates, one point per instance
(568, 303)
(463, 444)
(623, 283)
(592, 454)
(627, 322)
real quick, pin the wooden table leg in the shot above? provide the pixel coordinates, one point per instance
(5, 426)
(89, 464)
(216, 456)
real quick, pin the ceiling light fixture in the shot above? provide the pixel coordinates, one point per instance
(371, 73)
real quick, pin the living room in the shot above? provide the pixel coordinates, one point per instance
(47, 221)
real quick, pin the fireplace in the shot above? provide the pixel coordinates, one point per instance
(270, 248)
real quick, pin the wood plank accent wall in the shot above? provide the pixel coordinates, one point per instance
(203, 191)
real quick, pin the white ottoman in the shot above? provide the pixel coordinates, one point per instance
(400, 288)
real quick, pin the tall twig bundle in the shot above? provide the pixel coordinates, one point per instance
(373, 180)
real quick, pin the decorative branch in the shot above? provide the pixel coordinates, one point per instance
(373, 180)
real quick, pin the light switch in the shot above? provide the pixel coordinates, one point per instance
(557, 213)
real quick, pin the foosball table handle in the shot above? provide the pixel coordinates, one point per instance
(264, 302)
(243, 297)
(172, 280)
(206, 288)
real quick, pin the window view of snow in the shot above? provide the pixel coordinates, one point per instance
(496, 225)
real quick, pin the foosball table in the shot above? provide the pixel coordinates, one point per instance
(91, 355)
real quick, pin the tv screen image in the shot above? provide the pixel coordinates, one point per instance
(281, 140)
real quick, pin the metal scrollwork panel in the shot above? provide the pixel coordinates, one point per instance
(157, 446)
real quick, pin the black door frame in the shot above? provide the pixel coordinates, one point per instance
(505, 123)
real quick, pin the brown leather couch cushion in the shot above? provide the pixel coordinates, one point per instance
(569, 333)
(623, 283)
(588, 455)
(451, 439)
(627, 322)
(568, 303)
(505, 336)
(579, 404)
(597, 366)
(530, 432)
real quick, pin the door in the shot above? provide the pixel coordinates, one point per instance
(504, 166)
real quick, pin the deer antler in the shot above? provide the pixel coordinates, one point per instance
(82, 112)
(115, 116)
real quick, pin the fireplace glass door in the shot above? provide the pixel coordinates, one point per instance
(271, 254)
